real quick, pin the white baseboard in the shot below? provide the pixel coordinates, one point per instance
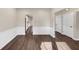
(76, 39)
(41, 30)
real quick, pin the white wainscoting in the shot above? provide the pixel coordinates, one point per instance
(44, 31)
(41, 30)
(52, 32)
(8, 35)
(20, 30)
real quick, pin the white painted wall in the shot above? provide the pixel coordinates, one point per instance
(9, 28)
(20, 15)
(14, 24)
(41, 19)
(7, 18)
(70, 23)
(41, 16)
(52, 22)
(7, 25)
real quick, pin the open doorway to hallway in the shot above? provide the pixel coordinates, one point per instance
(40, 29)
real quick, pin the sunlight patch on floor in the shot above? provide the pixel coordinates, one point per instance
(62, 46)
(46, 46)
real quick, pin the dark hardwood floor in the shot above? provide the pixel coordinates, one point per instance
(33, 42)
(74, 45)
(29, 42)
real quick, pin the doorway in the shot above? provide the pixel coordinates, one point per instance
(28, 24)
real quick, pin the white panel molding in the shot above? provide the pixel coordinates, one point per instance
(41, 30)
(8, 35)
(52, 32)
(44, 31)
(20, 30)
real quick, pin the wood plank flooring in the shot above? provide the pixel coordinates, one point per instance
(33, 42)
(74, 45)
(29, 42)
